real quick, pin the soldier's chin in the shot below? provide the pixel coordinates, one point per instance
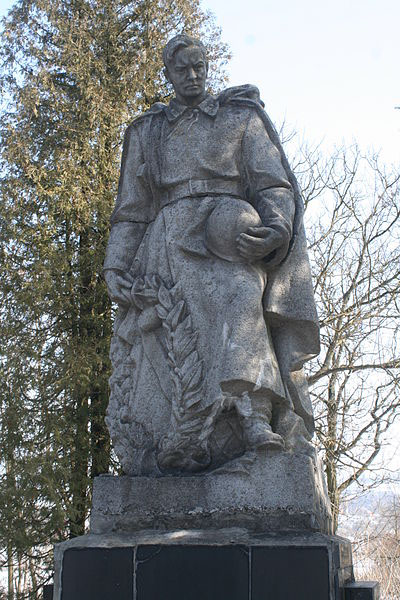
(193, 90)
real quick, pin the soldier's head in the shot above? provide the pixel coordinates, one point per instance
(186, 68)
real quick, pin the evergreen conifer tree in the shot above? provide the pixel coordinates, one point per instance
(74, 73)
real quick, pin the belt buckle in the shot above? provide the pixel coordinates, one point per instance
(198, 187)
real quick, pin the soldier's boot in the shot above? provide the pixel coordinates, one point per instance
(293, 430)
(256, 426)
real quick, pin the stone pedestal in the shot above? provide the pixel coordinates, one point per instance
(257, 530)
(282, 492)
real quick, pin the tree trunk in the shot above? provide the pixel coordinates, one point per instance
(330, 461)
(10, 574)
(79, 482)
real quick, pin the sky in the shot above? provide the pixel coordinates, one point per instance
(329, 68)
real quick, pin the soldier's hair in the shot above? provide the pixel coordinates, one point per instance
(178, 42)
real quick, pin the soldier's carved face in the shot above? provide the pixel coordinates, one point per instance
(188, 75)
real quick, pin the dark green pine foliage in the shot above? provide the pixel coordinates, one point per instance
(73, 74)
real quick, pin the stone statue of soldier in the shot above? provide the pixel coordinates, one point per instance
(208, 263)
(209, 411)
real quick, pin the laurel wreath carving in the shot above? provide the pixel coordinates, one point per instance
(185, 446)
(131, 440)
(181, 340)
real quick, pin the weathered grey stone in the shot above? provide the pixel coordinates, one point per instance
(208, 262)
(281, 492)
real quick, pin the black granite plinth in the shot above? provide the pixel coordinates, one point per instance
(363, 590)
(290, 573)
(98, 574)
(195, 572)
(276, 570)
(48, 592)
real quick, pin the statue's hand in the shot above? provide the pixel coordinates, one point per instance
(258, 242)
(119, 285)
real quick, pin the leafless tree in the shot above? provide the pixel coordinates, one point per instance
(353, 225)
(376, 545)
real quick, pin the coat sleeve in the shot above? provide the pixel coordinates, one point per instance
(267, 184)
(133, 209)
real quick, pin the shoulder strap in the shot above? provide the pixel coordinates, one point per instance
(155, 109)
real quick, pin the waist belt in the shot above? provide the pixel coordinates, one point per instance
(201, 187)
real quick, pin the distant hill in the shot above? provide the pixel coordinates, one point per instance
(377, 510)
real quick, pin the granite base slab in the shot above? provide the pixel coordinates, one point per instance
(282, 492)
(227, 564)
(362, 590)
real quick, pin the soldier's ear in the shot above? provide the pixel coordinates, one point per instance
(166, 75)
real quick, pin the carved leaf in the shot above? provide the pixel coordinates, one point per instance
(161, 312)
(193, 397)
(187, 346)
(175, 314)
(150, 294)
(153, 282)
(192, 377)
(179, 336)
(171, 358)
(191, 425)
(190, 361)
(164, 297)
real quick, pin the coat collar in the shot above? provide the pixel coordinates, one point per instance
(175, 109)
